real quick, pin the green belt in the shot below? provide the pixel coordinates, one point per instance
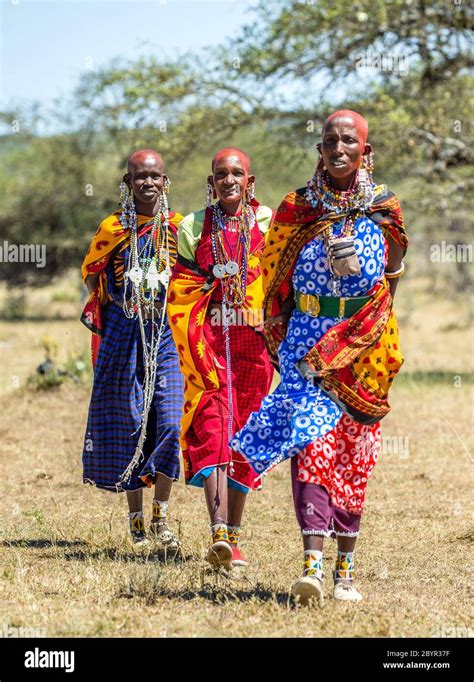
(329, 306)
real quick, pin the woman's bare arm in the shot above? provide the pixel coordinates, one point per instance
(92, 281)
(395, 256)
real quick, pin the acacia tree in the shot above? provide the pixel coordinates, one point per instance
(404, 63)
(389, 54)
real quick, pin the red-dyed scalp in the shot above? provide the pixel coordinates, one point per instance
(360, 124)
(232, 151)
(139, 156)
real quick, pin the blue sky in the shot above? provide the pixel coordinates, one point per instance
(46, 45)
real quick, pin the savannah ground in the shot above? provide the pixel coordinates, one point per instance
(65, 565)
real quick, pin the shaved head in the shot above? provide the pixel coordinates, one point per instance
(146, 178)
(232, 151)
(143, 156)
(358, 121)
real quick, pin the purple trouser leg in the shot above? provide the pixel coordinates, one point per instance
(315, 512)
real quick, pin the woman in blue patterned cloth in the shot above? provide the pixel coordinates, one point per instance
(332, 258)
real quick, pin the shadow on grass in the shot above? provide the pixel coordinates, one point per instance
(41, 543)
(158, 555)
(39, 318)
(215, 594)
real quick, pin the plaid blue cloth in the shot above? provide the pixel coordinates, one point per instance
(115, 408)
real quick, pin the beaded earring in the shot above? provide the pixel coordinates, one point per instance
(164, 203)
(250, 192)
(314, 186)
(128, 205)
(364, 175)
(210, 194)
(164, 198)
(366, 169)
(124, 194)
(320, 168)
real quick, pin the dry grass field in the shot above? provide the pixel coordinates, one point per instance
(65, 565)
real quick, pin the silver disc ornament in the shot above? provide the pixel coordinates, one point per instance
(219, 271)
(231, 268)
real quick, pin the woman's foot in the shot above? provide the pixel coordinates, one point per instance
(238, 558)
(219, 555)
(220, 552)
(343, 576)
(345, 591)
(138, 538)
(139, 541)
(234, 537)
(308, 590)
(161, 533)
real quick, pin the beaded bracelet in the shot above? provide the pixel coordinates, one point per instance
(395, 273)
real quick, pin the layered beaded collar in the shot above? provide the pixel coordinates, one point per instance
(358, 198)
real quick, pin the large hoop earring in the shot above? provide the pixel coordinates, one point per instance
(124, 194)
(366, 170)
(210, 195)
(250, 192)
(319, 173)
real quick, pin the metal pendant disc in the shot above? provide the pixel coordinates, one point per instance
(232, 268)
(135, 275)
(219, 271)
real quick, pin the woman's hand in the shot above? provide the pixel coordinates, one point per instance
(281, 320)
(277, 321)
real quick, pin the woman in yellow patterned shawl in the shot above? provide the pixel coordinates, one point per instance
(214, 305)
(330, 266)
(132, 436)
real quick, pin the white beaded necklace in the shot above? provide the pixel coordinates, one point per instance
(141, 273)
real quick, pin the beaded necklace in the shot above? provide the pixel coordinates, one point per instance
(356, 199)
(143, 281)
(350, 204)
(232, 270)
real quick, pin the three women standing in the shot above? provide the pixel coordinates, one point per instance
(324, 277)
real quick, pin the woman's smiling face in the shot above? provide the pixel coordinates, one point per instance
(230, 177)
(146, 178)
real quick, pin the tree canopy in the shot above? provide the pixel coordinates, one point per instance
(404, 64)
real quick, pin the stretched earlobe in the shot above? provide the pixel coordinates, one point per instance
(250, 191)
(210, 191)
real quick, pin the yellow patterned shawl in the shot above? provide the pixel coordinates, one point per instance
(190, 293)
(110, 239)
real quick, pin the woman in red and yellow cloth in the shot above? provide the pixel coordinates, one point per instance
(330, 266)
(215, 312)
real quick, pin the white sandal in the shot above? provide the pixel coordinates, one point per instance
(345, 591)
(306, 590)
(162, 534)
